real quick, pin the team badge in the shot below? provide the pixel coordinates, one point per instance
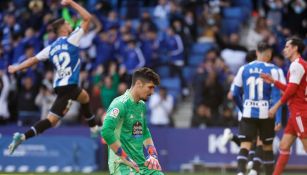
(114, 112)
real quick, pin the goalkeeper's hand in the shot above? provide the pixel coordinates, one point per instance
(129, 162)
(125, 159)
(152, 163)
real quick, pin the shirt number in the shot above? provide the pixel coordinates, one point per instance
(61, 63)
(255, 84)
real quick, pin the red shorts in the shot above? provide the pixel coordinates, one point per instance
(297, 125)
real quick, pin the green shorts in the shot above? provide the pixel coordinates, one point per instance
(122, 169)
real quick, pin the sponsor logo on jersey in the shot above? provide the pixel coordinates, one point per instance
(137, 129)
(114, 113)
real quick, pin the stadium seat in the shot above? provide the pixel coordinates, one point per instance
(234, 13)
(196, 59)
(230, 26)
(243, 3)
(173, 86)
(163, 71)
(188, 73)
(201, 48)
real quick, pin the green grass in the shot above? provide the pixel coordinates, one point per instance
(105, 173)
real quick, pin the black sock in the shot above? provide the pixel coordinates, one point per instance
(38, 128)
(89, 117)
(236, 139)
(257, 159)
(242, 160)
(268, 162)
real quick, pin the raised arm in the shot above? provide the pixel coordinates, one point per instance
(27, 63)
(42, 55)
(86, 16)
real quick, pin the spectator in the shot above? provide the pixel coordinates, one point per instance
(161, 106)
(28, 111)
(4, 93)
(133, 57)
(202, 117)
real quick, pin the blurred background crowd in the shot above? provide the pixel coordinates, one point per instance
(196, 46)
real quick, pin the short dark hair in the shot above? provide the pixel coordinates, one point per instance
(145, 74)
(57, 24)
(250, 56)
(295, 41)
(263, 46)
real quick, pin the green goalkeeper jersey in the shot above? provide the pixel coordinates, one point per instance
(125, 121)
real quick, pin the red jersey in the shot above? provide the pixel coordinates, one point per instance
(297, 75)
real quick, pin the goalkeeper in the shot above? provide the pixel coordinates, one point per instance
(125, 129)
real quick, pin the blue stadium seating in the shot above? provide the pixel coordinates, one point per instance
(201, 48)
(243, 3)
(230, 26)
(163, 71)
(196, 59)
(234, 13)
(188, 73)
(173, 86)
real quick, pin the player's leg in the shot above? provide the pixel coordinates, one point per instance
(247, 132)
(84, 99)
(122, 169)
(229, 136)
(58, 109)
(284, 153)
(285, 144)
(256, 158)
(144, 170)
(266, 135)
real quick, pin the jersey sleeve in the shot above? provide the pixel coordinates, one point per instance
(114, 114)
(281, 76)
(44, 54)
(75, 36)
(238, 80)
(147, 133)
(296, 72)
(275, 94)
(236, 89)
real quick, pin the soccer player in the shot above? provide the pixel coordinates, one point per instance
(125, 129)
(295, 95)
(258, 97)
(64, 55)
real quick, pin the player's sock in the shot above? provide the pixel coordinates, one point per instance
(257, 158)
(242, 160)
(236, 139)
(281, 162)
(268, 162)
(38, 128)
(89, 117)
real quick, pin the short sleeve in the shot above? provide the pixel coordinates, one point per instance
(238, 79)
(296, 72)
(75, 36)
(44, 54)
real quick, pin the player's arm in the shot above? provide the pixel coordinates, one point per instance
(114, 114)
(236, 89)
(296, 73)
(152, 161)
(86, 16)
(275, 95)
(42, 55)
(269, 79)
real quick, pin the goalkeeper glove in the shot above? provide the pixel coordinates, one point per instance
(125, 159)
(152, 159)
